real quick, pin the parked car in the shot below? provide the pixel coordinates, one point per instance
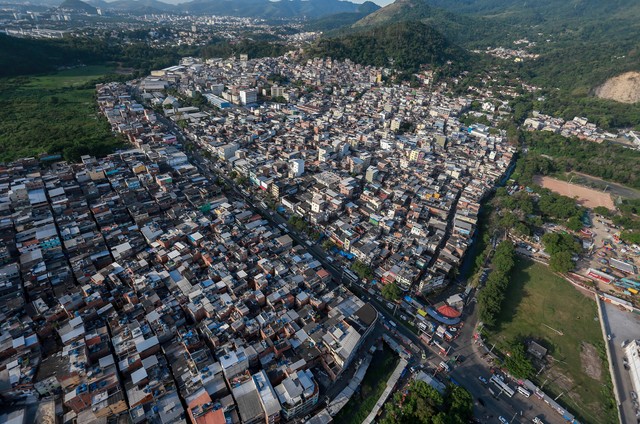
(484, 380)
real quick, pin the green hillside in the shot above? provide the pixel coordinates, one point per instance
(468, 31)
(404, 45)
(340, 20)
(581, 43)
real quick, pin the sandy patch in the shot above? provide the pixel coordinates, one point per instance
(624, 88)
(585, 196)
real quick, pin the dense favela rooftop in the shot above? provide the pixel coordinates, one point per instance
(138, 284)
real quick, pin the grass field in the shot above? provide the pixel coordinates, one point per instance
(53, 113)
(543, 306)
(373, 384)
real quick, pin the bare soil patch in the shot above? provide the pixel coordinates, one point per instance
(591, 362)
(624, 88)
(585, 196)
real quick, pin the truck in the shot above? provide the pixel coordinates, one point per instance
(447, 336)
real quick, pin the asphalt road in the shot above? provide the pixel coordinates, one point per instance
(515, 410)
(621, 326)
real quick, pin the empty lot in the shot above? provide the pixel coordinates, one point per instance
(585, 196)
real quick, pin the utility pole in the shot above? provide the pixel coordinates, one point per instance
(541, 369)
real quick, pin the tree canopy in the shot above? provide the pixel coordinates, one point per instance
(424, 405)
(391, 291)
(491, 296)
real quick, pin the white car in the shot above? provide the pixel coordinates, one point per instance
(503, 420)
(484, 380)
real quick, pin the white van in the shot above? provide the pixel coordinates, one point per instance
(524, 392)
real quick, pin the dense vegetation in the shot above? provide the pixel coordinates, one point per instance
(629, 219)
(522, 212)
(391, 291)
(404, 45)
(424, 405)
(561, 247)
(606, 114)
(364, 271)
(517, 362)
(253, 48)
(491, 296)
(78, 6)
(582, 42)
(609, 161)
(469, 31)
(340, 20)
(20, 56)
(299, 224)
(53, 114)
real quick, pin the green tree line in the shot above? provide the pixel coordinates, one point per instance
(491, 296)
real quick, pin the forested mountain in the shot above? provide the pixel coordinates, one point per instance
(404, 45)
(340, 20)
(581, 43)
(469, 31)
(554, 10)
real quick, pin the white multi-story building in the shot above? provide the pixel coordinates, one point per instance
(297, 168)
(298, 394)
(248, 97)
(227, 151)
(632, 350)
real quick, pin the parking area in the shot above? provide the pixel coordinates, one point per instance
(605, 261)
(622, 326)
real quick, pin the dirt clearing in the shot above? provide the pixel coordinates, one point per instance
(591, 363)
(585, 196)
(624, 88)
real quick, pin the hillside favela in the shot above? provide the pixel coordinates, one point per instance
(319, 211)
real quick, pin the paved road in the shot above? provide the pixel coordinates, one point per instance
(518, 408)
(621, 326)
(613, 188)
